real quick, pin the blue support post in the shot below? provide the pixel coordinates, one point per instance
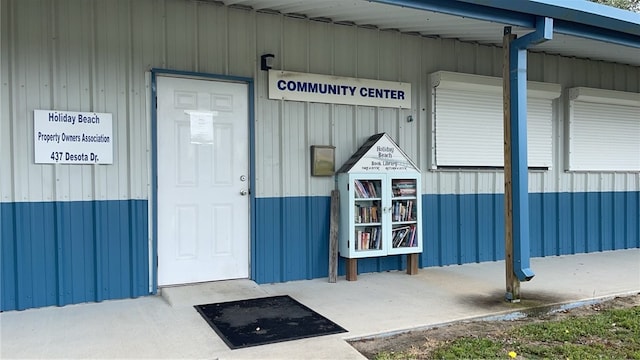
(519, 173)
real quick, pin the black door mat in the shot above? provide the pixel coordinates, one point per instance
(266, 320)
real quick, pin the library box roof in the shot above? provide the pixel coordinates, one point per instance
(379, 154)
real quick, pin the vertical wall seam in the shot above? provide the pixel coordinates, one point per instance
(475, 227)
(572, 212)
(310, 259)
(282, 238)
(94, 170)
(625, 233)
(441, 249)
(165, 36)
(12, 86)
(97, 250)
(133, 245)
(58, 222)
(129, 105)
(154, 185)
(637, 217)
(16, 257)
(601, 228)
(196, 36)
(499, 226)
(543, 221)
(282, 110)
(10, 97)
(227, 58)
(558, 223)
(252, 104)
(93, 65)
(133, 213)
(458, 204)
(585, 215)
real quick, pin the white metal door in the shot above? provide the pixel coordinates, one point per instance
(203, 180)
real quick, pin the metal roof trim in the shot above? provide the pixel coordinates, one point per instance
(468, 10)
(584, 19)
(593, 11)
(581, 12)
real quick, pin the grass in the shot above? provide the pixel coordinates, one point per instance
(610, 334)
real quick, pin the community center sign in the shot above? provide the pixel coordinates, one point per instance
(288, 85)
(72, 137)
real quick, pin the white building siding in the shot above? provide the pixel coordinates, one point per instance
(93, 55)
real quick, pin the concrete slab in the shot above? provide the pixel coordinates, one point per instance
(167, 326)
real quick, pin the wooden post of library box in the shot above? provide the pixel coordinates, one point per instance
(380, 205)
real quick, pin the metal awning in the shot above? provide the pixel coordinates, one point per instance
(487, 29)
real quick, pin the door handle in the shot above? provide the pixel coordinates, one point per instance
(243, 192)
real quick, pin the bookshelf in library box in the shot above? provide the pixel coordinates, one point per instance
(380, 204)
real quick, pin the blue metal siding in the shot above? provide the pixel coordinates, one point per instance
(266, 251)
(462, 229)
(58, 253)
(292, 240)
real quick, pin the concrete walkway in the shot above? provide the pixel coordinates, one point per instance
(167, 326)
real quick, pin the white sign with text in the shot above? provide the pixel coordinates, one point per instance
(72, 137)
(384, 156)
(289, 85)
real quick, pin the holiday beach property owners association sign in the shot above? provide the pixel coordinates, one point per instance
(72, 137)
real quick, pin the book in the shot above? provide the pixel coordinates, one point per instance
(413, 237)
(372, 189)
(360, 192)
(404, 188)
(399, 238)
(396, 211)
(398, 234)
(375, 238)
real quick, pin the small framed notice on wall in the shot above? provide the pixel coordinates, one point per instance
(323, 160)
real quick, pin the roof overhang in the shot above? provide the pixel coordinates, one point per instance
(581, 29)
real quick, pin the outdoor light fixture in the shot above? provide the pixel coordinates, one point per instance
(264, 61)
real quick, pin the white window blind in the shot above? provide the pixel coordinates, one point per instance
(468, 118)
(604, 130)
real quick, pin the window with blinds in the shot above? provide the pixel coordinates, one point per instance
(467, 121)
(604, 130)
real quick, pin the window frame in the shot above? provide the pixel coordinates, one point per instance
(486, 85)
(588, 97)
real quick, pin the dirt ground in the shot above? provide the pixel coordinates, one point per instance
(420, 344)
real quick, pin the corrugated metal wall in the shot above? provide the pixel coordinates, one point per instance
(72, 55)
(93, 55)
(315, 47)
